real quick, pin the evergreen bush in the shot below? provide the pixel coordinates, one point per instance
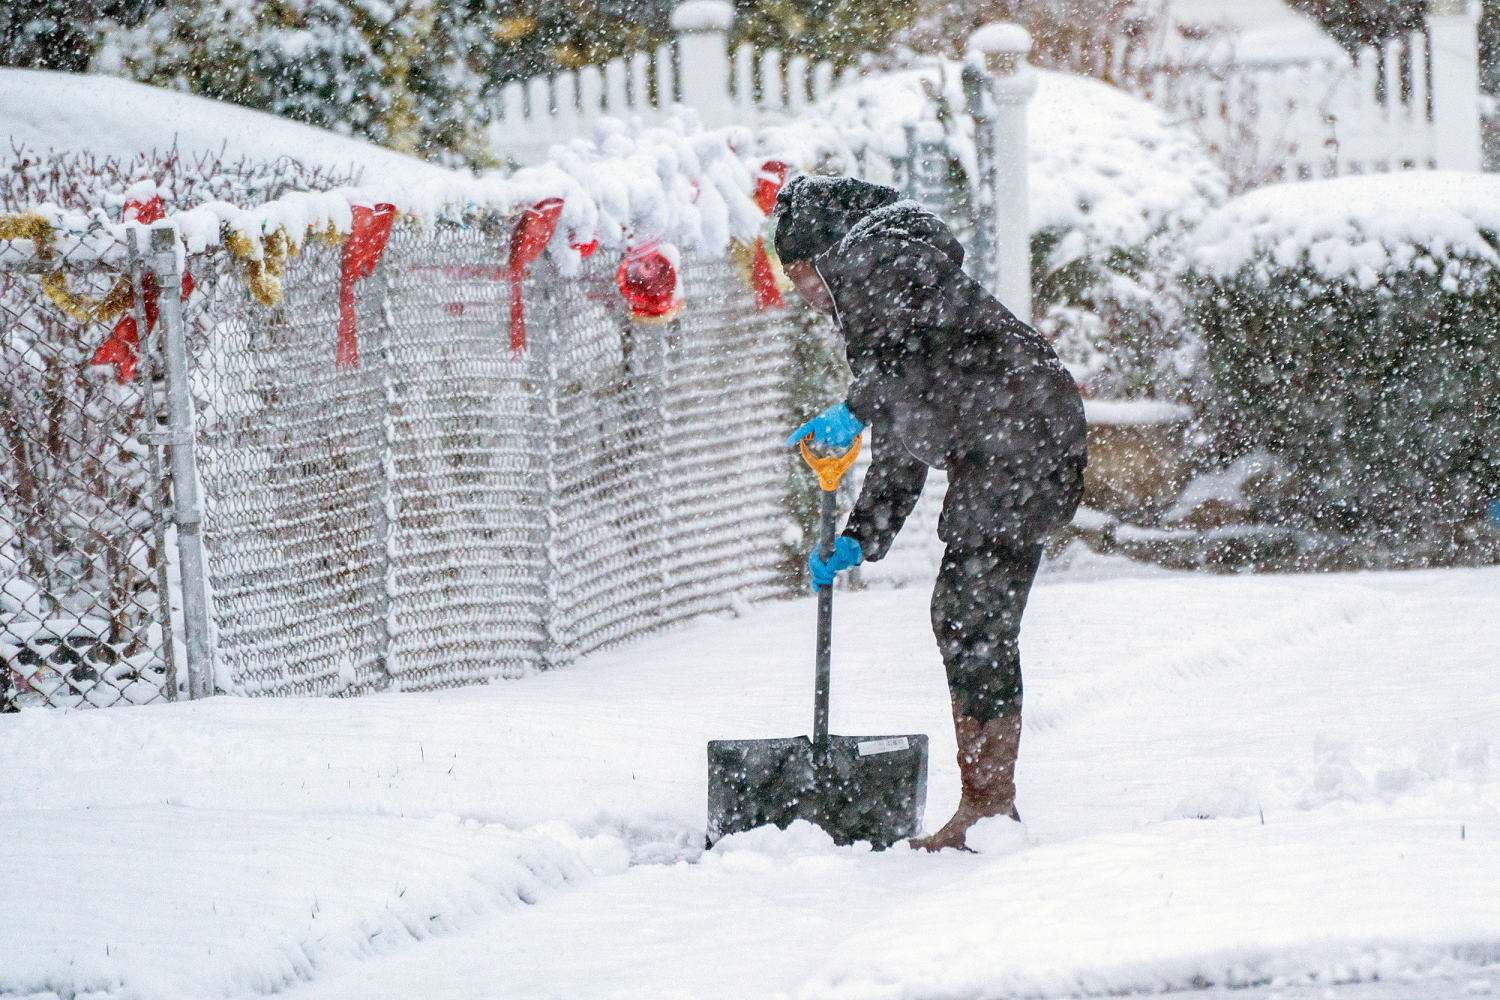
(1352, 327)
(414, 76)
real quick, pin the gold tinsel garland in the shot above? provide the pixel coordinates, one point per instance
(261, 265)
(262, 262)
(28, 227)
(84, 308)
(264, 266)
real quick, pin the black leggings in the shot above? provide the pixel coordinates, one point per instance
(976, 616)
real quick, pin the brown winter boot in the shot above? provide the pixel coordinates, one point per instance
(987, 769)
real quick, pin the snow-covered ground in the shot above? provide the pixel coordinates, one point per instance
(1285, 781)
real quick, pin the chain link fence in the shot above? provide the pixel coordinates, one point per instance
(85, 616)
(447, 512)
(451, 511)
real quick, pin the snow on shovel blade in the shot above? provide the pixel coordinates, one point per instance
(870, 788)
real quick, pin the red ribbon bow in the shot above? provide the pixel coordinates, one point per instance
(527, 241)
(769, 178)
(122, 349)
(367, 239)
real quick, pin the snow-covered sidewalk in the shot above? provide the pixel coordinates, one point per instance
(1225, 780)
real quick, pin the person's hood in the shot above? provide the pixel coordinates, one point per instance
(903, 235)
(902, 231)
(814, 213)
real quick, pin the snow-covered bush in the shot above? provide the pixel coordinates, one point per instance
(1115, 188)
(411, 75)
(82, 180)
(1352, 327)
(1114, 191)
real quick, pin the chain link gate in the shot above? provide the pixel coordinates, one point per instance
(87, 587)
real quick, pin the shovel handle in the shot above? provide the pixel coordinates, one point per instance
(831, 469)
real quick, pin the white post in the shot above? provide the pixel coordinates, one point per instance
(1455, 85)
(1002, 48)
(702, 28)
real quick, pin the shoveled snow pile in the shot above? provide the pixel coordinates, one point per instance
(1225, 781)
(1357, 229)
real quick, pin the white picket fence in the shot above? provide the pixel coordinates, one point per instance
(1412, 104)
(723, 85)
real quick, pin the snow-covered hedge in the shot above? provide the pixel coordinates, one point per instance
(1114, 186)
(1352, 326)
(1115, 189)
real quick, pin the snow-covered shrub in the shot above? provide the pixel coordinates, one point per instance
(1115, 188)
(1114, 191)
(82, 180)
(1352, 327)
(411, 75)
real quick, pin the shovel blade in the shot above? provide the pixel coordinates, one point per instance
(870, 788)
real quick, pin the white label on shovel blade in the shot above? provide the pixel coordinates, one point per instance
(871, 747)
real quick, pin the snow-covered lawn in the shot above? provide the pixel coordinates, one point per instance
(109, 116)
(1225, 780)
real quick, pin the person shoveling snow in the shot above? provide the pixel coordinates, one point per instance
(946, 377)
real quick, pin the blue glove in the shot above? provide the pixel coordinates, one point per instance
(835, 427)
(846, 553)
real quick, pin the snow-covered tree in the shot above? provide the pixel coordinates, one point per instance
(60, 34)
(1079, 36)
(412, 75)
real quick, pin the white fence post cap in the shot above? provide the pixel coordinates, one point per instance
(1001, 38)
(703, 15)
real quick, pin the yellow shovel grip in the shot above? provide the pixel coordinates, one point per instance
(831, 469)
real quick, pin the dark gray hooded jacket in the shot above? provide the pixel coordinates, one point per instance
(944, 374)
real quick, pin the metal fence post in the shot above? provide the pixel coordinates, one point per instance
(387, 519)
(983, 237)
(187, 509)
(149, 347)
(544, 350)
(1012, 83)
(659, 375)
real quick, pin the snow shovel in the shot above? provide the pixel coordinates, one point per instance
(870, 788)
